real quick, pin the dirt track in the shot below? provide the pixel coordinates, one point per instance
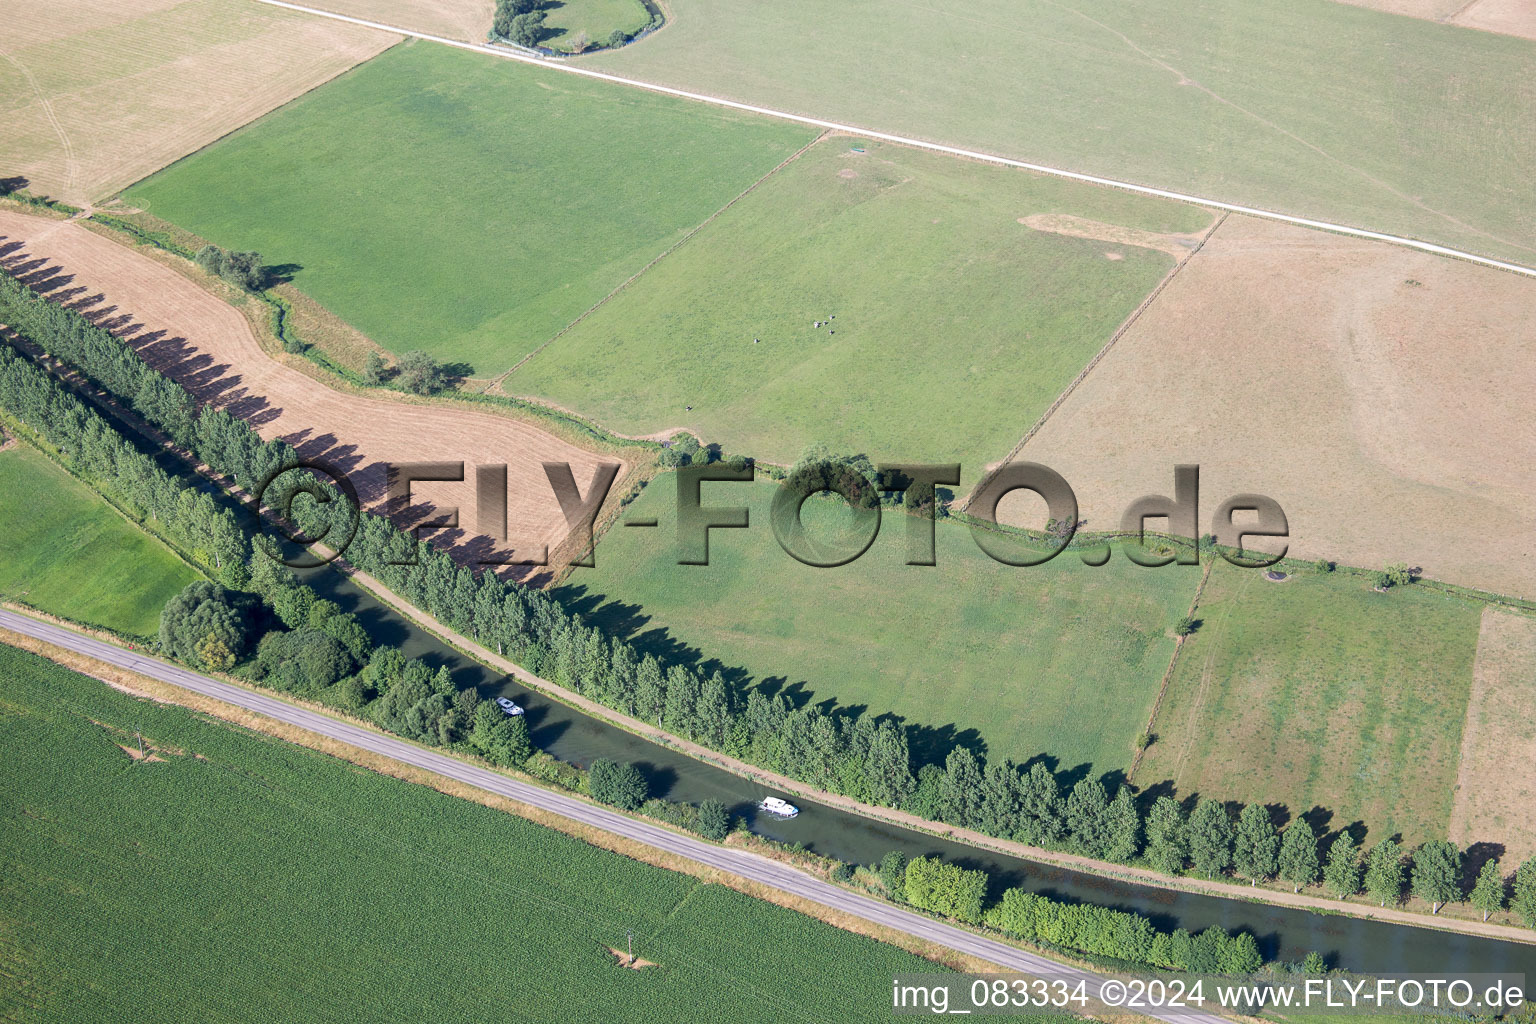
(1381, 396)
(209, 347)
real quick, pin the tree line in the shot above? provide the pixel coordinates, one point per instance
(859, 756)
(188, 516)
(948, 890)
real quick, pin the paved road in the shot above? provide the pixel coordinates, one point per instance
(737, 862)
(1183, 197)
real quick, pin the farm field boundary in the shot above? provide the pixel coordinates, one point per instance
(105, 661)
(1214, 204)
(209, 347)
(750, 866)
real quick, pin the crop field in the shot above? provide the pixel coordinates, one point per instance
(1059, 659)
(61, 541)
(1320, 692)
(1312, 108)
(948, 325)
(1498, 742)
(465, 205)
(95, 94)
(1369, 390)
(207, 345)
(132, 887)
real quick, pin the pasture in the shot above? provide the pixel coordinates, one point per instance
(1320, 692)
(596, 19)
(462, 204)
(1371, 391)
(1058, 659)
(62, 543)
(1310, 108)
(948, 325)
(96, 94)
(366, 897)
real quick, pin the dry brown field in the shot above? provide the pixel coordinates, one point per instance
(1381, 396)
(1511, 17)
(1496, 785)
(96, 94)
(1507, 17)
(469, 20)
(208, 346)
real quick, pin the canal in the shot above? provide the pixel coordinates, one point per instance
(1282, 932)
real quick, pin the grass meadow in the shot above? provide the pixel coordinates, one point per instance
(953, 326)
(67, 552)
(239, 876)
(1060, 659)
(1309, 107)
(597, 18)
(465, 205)
(1320, 692)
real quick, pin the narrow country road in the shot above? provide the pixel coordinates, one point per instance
(746, 865)
(869, 133)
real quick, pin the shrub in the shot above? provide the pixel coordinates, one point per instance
(1185, 626)
(714, 820)
(419, 373)
(374, 369)
(621, 785)
(202, 613)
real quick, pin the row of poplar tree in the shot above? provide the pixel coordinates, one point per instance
(859, 756)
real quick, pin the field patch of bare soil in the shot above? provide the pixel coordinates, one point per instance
(1381, 396)
(209, 347)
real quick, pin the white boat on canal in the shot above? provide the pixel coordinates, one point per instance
(778, 808)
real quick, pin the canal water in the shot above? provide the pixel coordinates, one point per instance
(1284, 933)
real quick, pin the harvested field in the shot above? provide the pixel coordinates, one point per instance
(1496, 787)
(468, 20)
(96, 94)
(1377, 394)
(1320, 693)
(1509, 17)
(207, 345)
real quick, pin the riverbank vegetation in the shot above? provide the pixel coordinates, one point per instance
(840, 752)
(100, 844)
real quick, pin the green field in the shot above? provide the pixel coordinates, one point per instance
(955, 325)
(1309, 107)
(1320, 692)
(1060, 659)
(597, 18)
(63, 545)
(465, 205)
(242, 877)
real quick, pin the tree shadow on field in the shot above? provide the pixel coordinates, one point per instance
(929, 744)
(1472, 863)
(279, 273)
